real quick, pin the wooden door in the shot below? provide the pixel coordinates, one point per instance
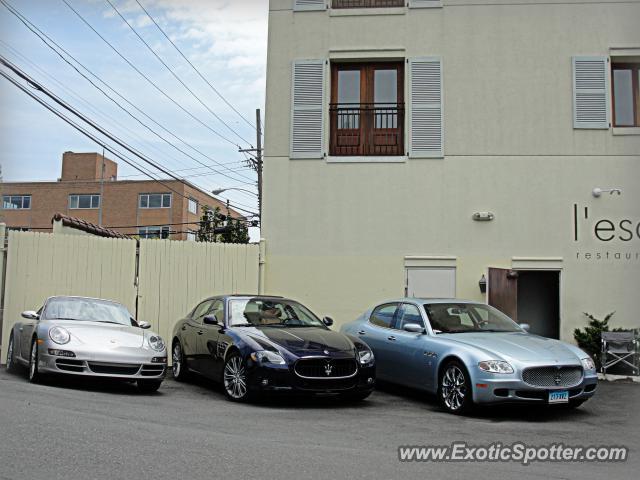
(503, 291)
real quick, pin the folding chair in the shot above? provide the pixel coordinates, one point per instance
(619, 347)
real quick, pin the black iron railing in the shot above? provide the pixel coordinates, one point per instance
(366, 129)
(367, 3)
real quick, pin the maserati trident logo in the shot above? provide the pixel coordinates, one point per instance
(328, 368)
(557, 379)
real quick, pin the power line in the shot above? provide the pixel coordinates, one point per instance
(91, 107)
(193, 66)
(40, 34)
(174, 74)
(85, 132)
(151, 82)
(32, 83)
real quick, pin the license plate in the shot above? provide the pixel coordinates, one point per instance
(559, 396)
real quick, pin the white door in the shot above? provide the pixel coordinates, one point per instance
(437, 282)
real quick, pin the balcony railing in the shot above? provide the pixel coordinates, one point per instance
(367, 3)
(366, 129)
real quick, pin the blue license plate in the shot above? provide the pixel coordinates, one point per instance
(559, 396)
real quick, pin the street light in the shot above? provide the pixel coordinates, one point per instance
(220, 190)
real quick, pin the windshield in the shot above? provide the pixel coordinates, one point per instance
(468, 317)
(87, 310)
(263, 312)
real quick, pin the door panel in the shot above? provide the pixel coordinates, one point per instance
(208, 351)
(377, 332)
(192, 331)
(503, 291)
(411, 365)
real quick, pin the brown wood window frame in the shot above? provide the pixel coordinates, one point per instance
(365, 131)
(635, 88)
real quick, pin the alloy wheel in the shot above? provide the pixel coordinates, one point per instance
(10, 354)
(235, 378)
(176, 360)
(454, 388)
(33, 361)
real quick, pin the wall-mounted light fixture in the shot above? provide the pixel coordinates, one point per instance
(483, 216)
(597, 192)
(483, 284)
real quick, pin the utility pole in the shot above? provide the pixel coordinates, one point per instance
(256, 160)
(259, 160)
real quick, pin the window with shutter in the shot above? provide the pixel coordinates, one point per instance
(425, 117)
(590, 92)
(299, 5)
(307, 117)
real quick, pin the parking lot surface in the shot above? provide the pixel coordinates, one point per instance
(76, 430)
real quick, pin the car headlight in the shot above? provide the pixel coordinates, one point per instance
(59, 335)
(267, 356)
(365, 357)
(495, 366)
(156, 343)
(588, 364)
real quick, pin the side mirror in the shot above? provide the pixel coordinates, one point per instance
(413, 328)
(525, 326)
(210, 320)
(328, 321)
(144, 325)
(30, 315)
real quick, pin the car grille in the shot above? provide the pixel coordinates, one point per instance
(114, 368)
(152, 370)
(553, 376)
(326, 368)
(70, 365)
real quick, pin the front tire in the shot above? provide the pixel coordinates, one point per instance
(454, 388)
(178, 363)
(235, 379)
(34, 375)
(10, 356)
(148, 386)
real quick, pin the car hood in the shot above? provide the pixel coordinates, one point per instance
(518, 346)
(302, 341)
(104, 335)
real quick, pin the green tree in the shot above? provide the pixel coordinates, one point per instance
(218, 228)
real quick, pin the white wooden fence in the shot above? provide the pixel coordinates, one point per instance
(159, 282)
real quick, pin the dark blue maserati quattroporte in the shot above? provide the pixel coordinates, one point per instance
(257, 344)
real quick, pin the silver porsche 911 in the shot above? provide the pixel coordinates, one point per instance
(87, 336)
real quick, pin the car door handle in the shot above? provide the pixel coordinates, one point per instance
(21, 329)
(361, 332)
(200, 332)
(392, 338)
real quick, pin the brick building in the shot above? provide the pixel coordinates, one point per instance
(89, 189)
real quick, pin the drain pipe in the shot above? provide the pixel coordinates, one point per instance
(261, 265)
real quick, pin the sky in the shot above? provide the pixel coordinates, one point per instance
(225, 39)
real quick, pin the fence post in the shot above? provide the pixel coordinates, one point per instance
(3, 273)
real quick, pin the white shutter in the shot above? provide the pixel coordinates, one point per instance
(299, 5)
(590, 92)
(426, 135)
(307, 112)
(425, 3)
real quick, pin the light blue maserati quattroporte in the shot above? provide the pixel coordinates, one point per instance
(470, 353)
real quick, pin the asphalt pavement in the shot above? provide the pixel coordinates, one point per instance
(77, 430)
